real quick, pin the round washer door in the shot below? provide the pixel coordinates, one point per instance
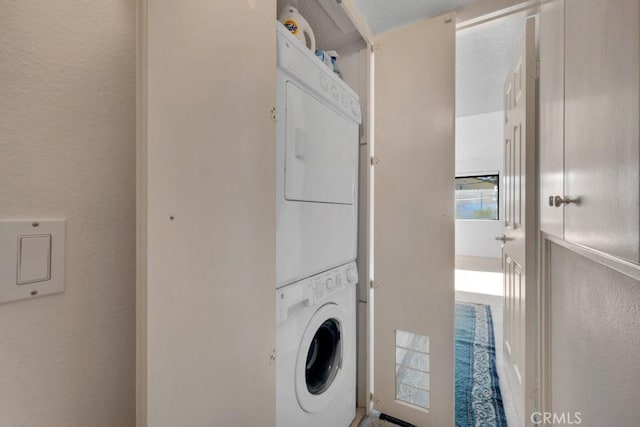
(319, 375)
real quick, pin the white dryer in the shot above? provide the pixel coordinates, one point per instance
(316, 350)
(317, 164)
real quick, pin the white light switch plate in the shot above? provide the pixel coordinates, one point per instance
(11, 232)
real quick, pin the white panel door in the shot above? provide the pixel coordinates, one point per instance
(519, 222)
(413, 303)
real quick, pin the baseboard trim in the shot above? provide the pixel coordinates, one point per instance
(477, 263)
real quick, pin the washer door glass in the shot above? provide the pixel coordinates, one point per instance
(323, 357)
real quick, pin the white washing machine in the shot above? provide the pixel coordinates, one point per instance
(316, 350)
(317, 164)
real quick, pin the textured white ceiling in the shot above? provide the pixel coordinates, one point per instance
(384, 15)
(483, 57)
(483, 53)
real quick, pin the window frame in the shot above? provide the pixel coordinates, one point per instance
(478, 175)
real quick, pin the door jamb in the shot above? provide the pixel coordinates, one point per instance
(468, 17)
(141, 213)
(538, 393)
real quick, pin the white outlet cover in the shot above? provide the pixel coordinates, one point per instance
(10, 232)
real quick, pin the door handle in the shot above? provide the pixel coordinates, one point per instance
(300, 146)
(559, 201)
(504, 239)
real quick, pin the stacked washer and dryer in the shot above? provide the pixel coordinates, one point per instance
(316, 240)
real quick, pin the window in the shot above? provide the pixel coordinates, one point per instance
(477, 197)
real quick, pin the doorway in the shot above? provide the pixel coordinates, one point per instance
(484, 54)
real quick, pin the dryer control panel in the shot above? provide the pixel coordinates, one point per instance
(302, 65)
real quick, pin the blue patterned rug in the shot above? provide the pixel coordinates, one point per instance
(478, 397)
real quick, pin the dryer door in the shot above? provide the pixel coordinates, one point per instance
(321, 157)
(319, 374)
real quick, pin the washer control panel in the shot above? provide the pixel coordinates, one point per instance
(336, 279)
(314, 290)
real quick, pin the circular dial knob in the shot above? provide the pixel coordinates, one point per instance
(352, 275)
(330, 283)
(319, 289)
(324, 83)
(354, 107)
(334, 92)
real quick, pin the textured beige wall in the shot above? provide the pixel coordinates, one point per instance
(595, 337)
(67, 149)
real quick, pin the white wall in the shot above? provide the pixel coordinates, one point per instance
(595, 327)
(67, 149)
(479, 150)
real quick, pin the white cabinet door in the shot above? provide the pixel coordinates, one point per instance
(206, 213)
(414, 224)
(551, 135)
(602, 101)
